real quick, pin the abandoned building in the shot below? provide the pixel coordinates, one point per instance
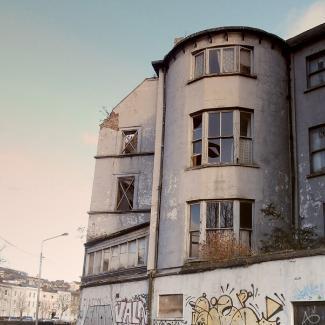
(233, 122)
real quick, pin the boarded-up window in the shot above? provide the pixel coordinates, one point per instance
(130, 141)
(125, 193)
(309, 312)
(170, 306)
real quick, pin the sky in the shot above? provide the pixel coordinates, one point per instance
(62, 63)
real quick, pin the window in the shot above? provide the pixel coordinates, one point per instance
(125, 255)
(125, 193)
(316, 70)
(223, 60)
(317, 149)
(130, 141)
(223, 136)
(223, 217)
(194, 229)
(170, 306)
(199, 65)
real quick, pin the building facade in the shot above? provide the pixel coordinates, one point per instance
(231, 124)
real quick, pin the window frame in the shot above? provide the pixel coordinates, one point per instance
(313, 152)
(237, 138)
(136, 130)
(119, 198)
(236, 219)
(109, 248)
(310, 74)
(169, 317)
(237, 60)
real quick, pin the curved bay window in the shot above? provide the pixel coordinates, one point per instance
(223, 60)
(222, 137)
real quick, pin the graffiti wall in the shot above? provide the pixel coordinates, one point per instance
(118, 304)
(233, 307)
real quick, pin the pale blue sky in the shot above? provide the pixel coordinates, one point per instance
(60, 62)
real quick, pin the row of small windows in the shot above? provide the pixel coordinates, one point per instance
(125, 255)
(223, 60)
(215, 136)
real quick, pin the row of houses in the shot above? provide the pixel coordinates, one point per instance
(230, 133)
(18, 297)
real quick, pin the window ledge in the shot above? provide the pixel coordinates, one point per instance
(222, 165)
(252, 76)
(126, 155)
(317, 174)
(314, 88)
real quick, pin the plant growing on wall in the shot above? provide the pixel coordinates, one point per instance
(223, 246)
(285, 235)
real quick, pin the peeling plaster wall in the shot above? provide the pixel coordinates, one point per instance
(310, 111)
(268, 182)
(245, 291)
(137, 110)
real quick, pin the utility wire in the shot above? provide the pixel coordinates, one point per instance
(15, 246)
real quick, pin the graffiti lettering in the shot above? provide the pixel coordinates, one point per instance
(132, 311)
(222, 310)
(310, 319)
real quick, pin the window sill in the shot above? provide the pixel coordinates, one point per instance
(314, 88)
(126, 155)
(222, 165)
(252, 76)
(317, 174)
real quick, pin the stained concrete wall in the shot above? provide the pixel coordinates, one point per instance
(309, 112)
(137, 110)
(245, 295)
(267, 180)
(114, 304)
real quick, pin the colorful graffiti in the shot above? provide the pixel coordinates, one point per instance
(132, 311)
(222, 310)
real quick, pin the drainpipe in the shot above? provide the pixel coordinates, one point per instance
(293, 142)
(155, 217)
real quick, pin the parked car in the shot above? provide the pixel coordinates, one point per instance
(27, 319)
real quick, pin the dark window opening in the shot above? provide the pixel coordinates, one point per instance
(125, 193)
(130, 141)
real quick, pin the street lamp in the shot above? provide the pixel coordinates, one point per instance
(39, 273)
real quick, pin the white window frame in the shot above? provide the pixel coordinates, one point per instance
(110, 247)
(206, 58)
(236, 136)
(203, 230)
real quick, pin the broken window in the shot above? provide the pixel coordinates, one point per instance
(246, 140)
(316, 70)
(90, 263)
(125, 193)
(221, 138)
(197, 141)
(223, 60)
(130, 141)
(194, 229)
(221, 218)
(170, 306)
(317, 149)
(127, 254)
(199, 65)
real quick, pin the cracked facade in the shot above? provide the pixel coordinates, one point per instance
(234, 120)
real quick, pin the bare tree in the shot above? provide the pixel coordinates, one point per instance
(63, 302)
(45, 308)
(21, 304)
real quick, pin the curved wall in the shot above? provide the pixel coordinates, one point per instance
(266, 180)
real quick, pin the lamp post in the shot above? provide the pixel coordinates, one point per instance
(39, 273)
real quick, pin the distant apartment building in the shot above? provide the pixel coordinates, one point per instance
(234, 121)
(18, 295)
